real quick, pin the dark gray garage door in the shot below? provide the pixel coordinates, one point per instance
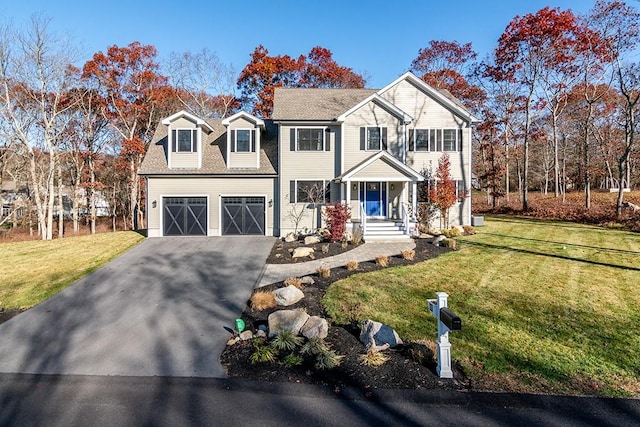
(243, 215)
(185, 216)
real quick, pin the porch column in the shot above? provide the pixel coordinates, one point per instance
(348, 184)
(414, 198)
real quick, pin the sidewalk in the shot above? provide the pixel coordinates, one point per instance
(274, 273)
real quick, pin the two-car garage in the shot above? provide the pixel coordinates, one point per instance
(239, 215)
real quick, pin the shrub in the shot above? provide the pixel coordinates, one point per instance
(286, 341)
(295, 281)
(324, 272)
(337, 215)
(452, 232)
(262, 352)
(356, 236)
(314, 346)
(327, 359)
(352, 265)
(325, 248)
(408, 254)
(263, 300)
(373, 358)
(344, 243)
(469, 230)
(292, 360)
(450, 243)
(382, 260)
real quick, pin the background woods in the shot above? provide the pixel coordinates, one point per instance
(559, 99)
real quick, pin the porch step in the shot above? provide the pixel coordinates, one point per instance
(385, 230)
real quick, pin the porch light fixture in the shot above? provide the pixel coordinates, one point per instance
(270, 203)
(392, 187)
(154, 204)
(355, 186)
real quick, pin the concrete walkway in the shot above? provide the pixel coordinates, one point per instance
(274, 273)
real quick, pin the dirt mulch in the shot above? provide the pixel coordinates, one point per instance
(281, 251)
(410, 366)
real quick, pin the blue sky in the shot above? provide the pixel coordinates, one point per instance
(376, 38)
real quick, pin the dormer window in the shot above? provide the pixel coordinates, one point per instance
(184, 140)
(243, 141)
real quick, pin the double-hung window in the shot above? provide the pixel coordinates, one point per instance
(184, 140)
(309, 139)
(312, 191)
(450, 139)
(421, 139)
(243, 140)
(374, 138)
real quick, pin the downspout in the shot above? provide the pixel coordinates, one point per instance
(469, 173)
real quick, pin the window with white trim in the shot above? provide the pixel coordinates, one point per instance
(243, 140)
(184, 140)
(436, 140)
(310, 139)
(313, 191)
(374, 138)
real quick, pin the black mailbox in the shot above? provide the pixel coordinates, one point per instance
(450, 319)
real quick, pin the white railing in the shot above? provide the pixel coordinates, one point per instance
(363, 218)
(405, 218)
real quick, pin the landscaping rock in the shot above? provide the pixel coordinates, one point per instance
(290, 237)
(246, 335)
(302, 252)
(438, 239)
(286, 320)
(312, 240)
(233, 340)
(288, 295)
(459, 228)
(315, 327)
(307, 280)
(260, 334)
(376, 336)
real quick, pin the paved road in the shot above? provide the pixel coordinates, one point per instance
(159, 309)
(154, 401)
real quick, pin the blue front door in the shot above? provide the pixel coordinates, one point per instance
(373, 194)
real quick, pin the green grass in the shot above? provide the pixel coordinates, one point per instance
(35, 270)
(546, 306)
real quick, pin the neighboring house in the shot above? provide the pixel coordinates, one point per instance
(243, 175)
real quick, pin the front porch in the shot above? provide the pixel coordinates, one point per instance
(382, 193)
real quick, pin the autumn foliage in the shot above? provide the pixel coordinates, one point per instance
(443, 193)
(337, 215)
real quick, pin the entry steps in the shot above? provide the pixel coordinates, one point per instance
(381, 230)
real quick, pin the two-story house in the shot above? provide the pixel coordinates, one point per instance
(370, 148)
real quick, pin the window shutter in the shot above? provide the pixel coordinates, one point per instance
(411, 146)
(363, 142)
(460, 140)
(233, 140)
(384, 138)
(253, 141)
(174, 141)
(439, 138)
(327, 141)
(292, 139)
(292, 191)
(194, 141)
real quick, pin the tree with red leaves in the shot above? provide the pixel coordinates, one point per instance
(129, 79)
(449, 65)
(530, 45)
(264, 73)
(443, 193)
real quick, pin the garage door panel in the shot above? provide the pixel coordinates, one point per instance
(185, 216)
(243, 215)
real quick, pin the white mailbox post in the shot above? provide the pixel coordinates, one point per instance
(447, 321)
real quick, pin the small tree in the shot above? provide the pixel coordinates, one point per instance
(427, 210)
(443, 194)
(337, 214)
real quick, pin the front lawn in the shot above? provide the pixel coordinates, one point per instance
(546, 306)
(35, 270)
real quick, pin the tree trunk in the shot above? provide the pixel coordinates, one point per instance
(556, 166)
(60, 202)
(92, 195)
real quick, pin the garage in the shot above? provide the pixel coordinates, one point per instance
(243, 216)
(185, 216)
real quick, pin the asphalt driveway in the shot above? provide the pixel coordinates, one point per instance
(160, 309)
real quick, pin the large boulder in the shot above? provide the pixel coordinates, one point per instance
(286, 320)
(315, 327)
(302, 252)
(438, 240)
(288, 295)
(290, 237)
(376, 336)
(312, 240)
(307, 280)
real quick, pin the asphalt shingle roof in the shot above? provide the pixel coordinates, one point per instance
(315, 104)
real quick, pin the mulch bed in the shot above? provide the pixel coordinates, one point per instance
(410, 366)
(8, 314)
(281, 251)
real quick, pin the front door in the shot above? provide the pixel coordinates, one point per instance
(374, 195)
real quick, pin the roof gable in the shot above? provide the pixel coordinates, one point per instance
(406, 118)
(243, 115)
(448, 101)
(383, 162)
(189, 116)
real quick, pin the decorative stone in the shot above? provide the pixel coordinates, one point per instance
(376, 336)
(315, 327)
(262, 328)
(307, 280)
(286, 320)
(260, 334)
(312, 240)
(233, 340)
(302, 252)
(438, 239)
(246, 335)
(459, 228)
(288, 295)
(290, 237)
